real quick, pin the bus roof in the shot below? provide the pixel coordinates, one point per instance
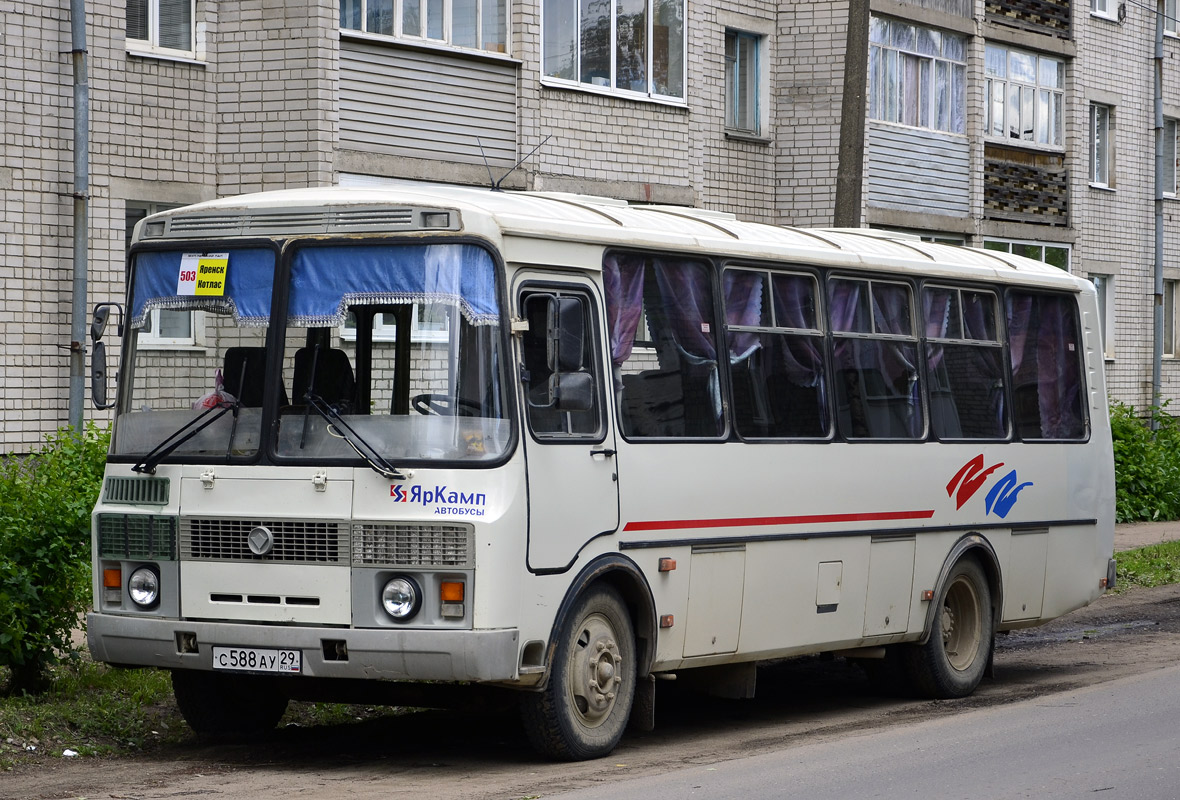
(584, 218)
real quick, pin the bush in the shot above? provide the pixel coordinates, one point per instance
(1146, 465)
(45, 504)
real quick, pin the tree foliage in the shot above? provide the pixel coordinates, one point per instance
(1146, 465)
(45, 504)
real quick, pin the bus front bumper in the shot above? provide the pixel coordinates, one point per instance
(382, 654)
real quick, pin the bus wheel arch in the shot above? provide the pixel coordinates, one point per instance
(958, 641)
(599, 651)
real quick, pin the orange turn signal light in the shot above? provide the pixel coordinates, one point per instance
(112, 578)
(451, 591)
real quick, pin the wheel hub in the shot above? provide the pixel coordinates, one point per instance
(595, 671)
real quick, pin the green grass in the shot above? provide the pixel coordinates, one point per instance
(1154, 565)
(96, 711)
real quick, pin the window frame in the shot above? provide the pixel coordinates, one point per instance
(1170, 330)
(1009, 243)
(887, 92)
(397, 31)
(1106, 9)
(1054, 128)
(1171, 23)
(386, 332)
(734, 91)
(1102, 151)
(610, 88)
(1172, 162)
(151, 45)
(1104, 288)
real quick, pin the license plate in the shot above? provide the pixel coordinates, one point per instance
(255, 659)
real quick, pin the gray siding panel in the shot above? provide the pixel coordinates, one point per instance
(427, 105)
(918, 170)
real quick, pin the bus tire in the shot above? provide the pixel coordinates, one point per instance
(227, 705)
(583, 709)
(955, 655)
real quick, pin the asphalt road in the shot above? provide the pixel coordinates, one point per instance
(1115, 740)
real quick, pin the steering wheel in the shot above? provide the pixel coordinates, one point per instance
(445, 405)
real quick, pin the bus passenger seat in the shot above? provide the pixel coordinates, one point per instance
(244, 375)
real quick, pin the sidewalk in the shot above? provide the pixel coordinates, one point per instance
(1130, 535)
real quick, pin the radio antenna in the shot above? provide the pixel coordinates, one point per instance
(496, 185)
(491, 178)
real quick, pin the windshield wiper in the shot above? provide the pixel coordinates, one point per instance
(341, 429)
(183, 434)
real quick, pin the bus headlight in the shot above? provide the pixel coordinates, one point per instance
(144, 587)
(401, 597)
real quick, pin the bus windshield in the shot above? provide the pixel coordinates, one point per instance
(395, 348)
(199, 321)
(393, 351)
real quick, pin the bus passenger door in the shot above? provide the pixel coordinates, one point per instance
(569, 441)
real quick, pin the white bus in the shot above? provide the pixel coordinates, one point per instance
(567, 445)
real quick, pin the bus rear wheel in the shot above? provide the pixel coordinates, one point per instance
(227, 705)
(584, 708)
(952, 661)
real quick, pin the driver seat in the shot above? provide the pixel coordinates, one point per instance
(334, 380)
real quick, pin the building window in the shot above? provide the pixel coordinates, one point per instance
(1170, 154)
(1025, 97)
(163, 328)
(428, 323)
(1105, 8)
(917, 76)
(1056, 255)
(472, 24)
(1170, 21)
(628, 46)
(1101, 146)
(1104, 287)
(1169, 348)
(742, 82)
(165, 25)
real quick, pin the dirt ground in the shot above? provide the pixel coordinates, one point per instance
(453, 755)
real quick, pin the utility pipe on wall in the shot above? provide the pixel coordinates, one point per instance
(1158, 308)
(81, 196)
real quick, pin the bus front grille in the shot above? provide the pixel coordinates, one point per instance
(138, 536)
(412, 545)
(294, 541)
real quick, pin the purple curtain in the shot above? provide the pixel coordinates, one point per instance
(795, 307)
(743, 306)
(1042, 331)
(622, 276)
(686, 294)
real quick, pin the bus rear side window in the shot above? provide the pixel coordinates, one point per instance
(1048, 396)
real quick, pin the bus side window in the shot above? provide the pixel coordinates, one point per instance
(1048, 388)
(669, 387)
(964, 364)
(875, 359)
(560, 366)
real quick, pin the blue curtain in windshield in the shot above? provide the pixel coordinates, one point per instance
(249, 279)
(326, 280)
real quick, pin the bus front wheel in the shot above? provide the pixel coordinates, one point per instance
(955, 655)
(227, 705)
(584, 708)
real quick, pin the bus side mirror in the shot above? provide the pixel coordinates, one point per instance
(98, 376)
(98, 325)
(565, 333)
(98, 354)
(571, 391)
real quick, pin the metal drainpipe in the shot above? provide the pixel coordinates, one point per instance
(81, 197)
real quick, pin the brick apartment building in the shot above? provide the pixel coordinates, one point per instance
(1018, 124)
